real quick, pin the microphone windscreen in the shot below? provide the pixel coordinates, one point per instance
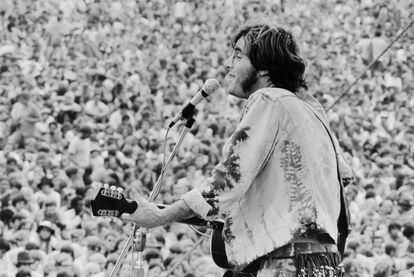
(211, 85)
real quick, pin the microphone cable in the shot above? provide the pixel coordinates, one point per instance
(163, 162)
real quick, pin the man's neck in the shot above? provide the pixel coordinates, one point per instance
(262, 82)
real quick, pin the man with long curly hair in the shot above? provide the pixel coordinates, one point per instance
(279, 186)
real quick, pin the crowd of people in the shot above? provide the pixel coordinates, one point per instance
(88, 88)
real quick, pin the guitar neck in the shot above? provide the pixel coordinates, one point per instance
(109, 201)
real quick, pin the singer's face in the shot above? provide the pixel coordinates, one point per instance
(241, 75)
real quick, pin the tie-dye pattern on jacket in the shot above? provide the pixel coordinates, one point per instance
(278, 174)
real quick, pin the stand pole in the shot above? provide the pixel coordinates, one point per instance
(126, 247)
(158, 184)
(138, 235)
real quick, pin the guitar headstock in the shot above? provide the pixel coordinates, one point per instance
(109, 201)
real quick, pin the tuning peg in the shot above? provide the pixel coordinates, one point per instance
(106, 186)
(113, 187)
(119, 189)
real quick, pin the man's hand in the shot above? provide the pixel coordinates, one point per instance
(147, 214)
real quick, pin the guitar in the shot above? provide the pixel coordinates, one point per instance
(109, 201)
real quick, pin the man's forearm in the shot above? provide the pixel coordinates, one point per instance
(150, 215)
(178, 211)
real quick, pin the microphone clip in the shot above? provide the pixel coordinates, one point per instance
(187, 113)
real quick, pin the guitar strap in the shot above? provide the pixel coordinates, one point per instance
(343, 223)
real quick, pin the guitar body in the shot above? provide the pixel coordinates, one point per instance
(111, 202)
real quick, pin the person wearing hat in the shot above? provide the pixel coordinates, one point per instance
(38, 256)
(46, 193)
(45, 236)
(25, 262)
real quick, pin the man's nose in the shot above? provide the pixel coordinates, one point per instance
(228, 63)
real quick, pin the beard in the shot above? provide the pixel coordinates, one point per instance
(249, 81)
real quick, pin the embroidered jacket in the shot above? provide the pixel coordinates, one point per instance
(278, 174)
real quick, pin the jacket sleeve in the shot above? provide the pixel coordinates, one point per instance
(244, 155)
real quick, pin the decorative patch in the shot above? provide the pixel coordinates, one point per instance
(213, 203)
(227, 173)
(300, 196)
(233, 167)
(228, 236)
(291, 161)
(209, 195)
(239, 136)
(221, 180)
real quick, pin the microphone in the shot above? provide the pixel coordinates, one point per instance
(210, 86)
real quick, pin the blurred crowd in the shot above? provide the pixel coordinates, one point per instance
(87, 89)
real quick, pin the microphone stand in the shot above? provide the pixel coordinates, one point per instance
(138, 236)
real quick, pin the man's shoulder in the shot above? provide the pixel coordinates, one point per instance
(271, 93)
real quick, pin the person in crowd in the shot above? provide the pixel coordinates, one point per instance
(46, 236)
(79, 149)
(46, 193)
